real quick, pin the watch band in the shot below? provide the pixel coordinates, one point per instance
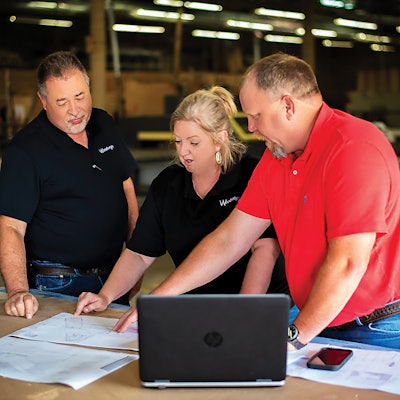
(293, 334)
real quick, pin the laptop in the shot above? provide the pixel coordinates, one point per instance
(213, 340)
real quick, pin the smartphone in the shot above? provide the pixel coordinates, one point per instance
(330, 359)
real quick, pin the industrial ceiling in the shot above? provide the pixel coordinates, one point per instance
(23, 44)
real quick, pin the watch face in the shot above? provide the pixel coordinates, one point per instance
(292, 332)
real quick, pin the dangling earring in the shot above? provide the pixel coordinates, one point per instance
(218, 157)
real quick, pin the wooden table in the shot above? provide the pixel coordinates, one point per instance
(125, 384)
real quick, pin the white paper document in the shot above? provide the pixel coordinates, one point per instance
(43, 362)
(83, 330)
(367, 369)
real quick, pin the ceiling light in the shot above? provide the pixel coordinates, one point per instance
(348, 5)
(382, 47)
(279, 14)
(170, 3)
(51, 5)
(164, 14)
(323, 33)
(332, 3)
(215, 34)
(59, 23)
(283, 39)
(73, 7)
(202, 6)
(249, 25)
(366, 37)
(355, 24)
(137, 28)
(24, 20)
(344, 44)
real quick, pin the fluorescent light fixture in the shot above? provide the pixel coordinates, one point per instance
(215, 34)
(355, 24)
(249, 25)
(332, 3)
(23, 20)
(382, 47)
(348, 5)
(279, 13)
(283, 39)
(344, 44)
(366, 37)
(300, 31)
(50, 5)
(164, 14)
(195, 5)
(137, 28)
(73, 7)
(323, 33)
(59, 23)
(169, 3)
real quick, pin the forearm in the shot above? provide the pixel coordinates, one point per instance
(215, 253)
(260, 266)
(335, 283)
(127, 272)
(12, 259)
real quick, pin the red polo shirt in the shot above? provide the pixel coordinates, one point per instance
(347, 181)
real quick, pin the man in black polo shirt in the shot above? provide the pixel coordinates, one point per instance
(67, 200)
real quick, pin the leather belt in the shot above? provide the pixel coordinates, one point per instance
(380, 313)
(67, 270)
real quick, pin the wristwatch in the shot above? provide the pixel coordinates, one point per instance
(293, 334)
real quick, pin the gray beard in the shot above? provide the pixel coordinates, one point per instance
(277, 151)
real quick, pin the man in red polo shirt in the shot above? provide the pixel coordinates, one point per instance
(330, 184)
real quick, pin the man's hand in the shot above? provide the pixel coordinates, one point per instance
(127, 319)
(88, 302)
(21, 304)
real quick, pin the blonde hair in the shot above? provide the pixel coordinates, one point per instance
(212, 110)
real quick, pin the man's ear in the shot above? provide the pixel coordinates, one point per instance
(42, 100)
(288, 104)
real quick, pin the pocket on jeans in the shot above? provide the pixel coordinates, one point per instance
(389, 325)
(52, 283)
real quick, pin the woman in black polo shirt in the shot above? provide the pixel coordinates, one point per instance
(189, 199)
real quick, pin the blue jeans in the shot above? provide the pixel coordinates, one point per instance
(385, 333)
(72, 285)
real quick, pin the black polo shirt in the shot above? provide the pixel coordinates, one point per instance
(174, 219)
(71, 197)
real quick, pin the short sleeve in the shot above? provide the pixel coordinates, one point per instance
(19, 185)
(148, 235)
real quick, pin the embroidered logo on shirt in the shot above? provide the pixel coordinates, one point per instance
(105, 149)
(225, 202)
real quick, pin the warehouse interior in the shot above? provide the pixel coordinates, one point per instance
(144, 56)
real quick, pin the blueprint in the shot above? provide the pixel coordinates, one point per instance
(367, 369)
(83, 330)
(44, 362)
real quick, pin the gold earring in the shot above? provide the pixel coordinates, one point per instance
(218, 157)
